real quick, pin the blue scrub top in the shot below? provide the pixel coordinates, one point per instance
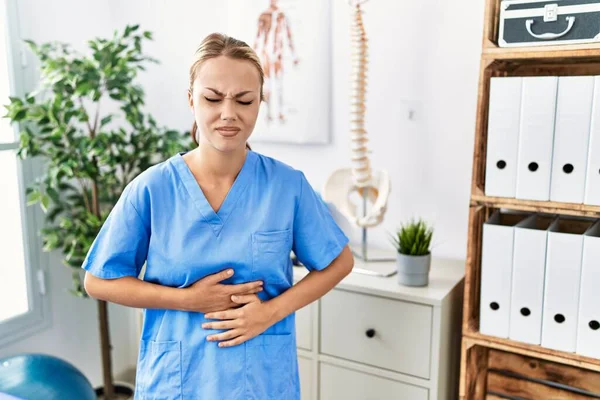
(163, 218)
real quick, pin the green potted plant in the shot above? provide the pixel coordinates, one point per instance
(89, 154)
(413, 259)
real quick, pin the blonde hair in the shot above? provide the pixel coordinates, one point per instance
(216, 45)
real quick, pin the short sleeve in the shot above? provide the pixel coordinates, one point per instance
(121, 247)
(318, 240)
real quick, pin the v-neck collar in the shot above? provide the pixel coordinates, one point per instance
(215, 219)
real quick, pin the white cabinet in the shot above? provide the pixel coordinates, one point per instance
(377, 331)
(343, 383)
(371, 338)
(304, 326)
(306, 377)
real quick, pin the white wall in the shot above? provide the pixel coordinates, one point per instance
(424, 56)
(178, 28)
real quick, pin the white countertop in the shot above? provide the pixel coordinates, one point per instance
(445, 274)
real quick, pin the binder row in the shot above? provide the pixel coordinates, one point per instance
(540, 281)
(544, 139)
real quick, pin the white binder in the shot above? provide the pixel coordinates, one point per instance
(561, 291)
(588, 329)
(529, 263)
(592, 184)
(571, 137)
(534, 165)
(496, 270)
(503, 136)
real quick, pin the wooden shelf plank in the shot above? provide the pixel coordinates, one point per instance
(551, 207)
(576, 360)
(543, 371)
(587, 51)
(515, 387)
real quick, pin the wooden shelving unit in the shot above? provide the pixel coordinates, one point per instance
(494, 368)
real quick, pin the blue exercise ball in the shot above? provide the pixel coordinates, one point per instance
(43, 377)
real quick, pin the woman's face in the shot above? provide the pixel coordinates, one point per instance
(225, 100)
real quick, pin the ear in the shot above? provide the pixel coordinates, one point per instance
(190, 100)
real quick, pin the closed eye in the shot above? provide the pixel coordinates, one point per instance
(245, 103)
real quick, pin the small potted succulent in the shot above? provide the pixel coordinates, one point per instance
(413, 258)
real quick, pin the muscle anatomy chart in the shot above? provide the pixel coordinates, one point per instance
(273, 33)
(292, 40)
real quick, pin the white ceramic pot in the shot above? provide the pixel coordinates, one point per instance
(413, 270)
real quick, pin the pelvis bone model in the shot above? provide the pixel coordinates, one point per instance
(373, 187)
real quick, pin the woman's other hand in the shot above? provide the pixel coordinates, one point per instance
(209, 294)
(243, 323)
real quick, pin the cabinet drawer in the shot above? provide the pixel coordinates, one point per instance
(341, 383)
(401, 331)
(306, 377)
(304, 327)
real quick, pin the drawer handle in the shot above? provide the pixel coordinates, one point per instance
(370, 333)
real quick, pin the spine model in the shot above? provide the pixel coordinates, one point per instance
(361, 166)
(372, 186)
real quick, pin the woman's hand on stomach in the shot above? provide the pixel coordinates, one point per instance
(241, 324)
(209, 294)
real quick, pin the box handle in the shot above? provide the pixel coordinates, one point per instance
(549, 36)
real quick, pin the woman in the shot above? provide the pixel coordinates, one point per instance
(215, 227)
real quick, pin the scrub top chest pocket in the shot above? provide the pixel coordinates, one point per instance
(271, 256)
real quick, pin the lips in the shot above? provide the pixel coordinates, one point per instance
(228, 131)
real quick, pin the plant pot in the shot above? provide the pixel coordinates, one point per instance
(123, 391)
(413, 270)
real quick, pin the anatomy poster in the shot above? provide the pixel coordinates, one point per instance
(292, 40)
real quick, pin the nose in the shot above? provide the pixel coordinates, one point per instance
(228, 112)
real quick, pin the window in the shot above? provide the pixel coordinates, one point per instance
(21, 279)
